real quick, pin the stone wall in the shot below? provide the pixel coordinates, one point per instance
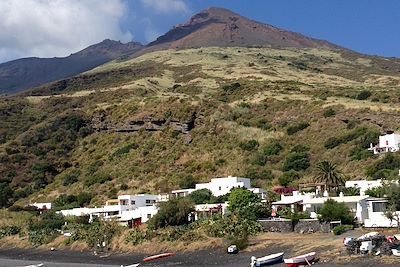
(303, 226)
(276, 226)
(311, 226)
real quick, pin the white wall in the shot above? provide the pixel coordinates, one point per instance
(390, 140)
(377, 219)
(364, 185)
(222, 186)
(136, 201)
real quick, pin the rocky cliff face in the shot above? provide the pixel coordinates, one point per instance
(101, 124)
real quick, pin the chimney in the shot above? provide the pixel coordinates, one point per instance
(341, 194)
(326, 194)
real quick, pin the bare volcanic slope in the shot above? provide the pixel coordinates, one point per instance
(21, 74)
(224, 28)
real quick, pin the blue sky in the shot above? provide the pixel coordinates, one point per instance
(61, 27)
(367, 26)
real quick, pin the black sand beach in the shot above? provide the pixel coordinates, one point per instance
(204, 258)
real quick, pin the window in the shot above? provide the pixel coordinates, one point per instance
(150, 201)
(148, 216)
(379, 206)
(133, 202)
(219, 188)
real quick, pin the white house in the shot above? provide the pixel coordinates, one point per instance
(294, 202)
(127, 209)
(376, 214)
(356, 204)
(42, 206)
(364, 185)
(182, 192)
(389, 142)
(206, 210)
(221, 186)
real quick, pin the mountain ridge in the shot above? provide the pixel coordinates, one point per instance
(204, 28)
(21, 74)
(217, 27)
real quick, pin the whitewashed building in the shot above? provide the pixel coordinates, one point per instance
(206, 210)
(42, 206)
(294, 202)
(356, 204)
(127, 209)
(389, 142)
(364, 185)
(222, 186)
(376, 214)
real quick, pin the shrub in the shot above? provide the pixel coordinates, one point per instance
(71, 177)
(296, 161)
(345, 138)
(6, 194)
(246, 204)
(124, 150)
(330, 112)
(334, 211)
(97, 179)
(340, 229)
(201, 196)
(273, 148)
(135, 237)
(363, 95)
(250, 145)
(351, 191)
(231, 88)
(187, 181)
(171, 213)
(376, 192)
(83, 198)
(9, 231)
(296, 128)
(288, 177)
(300, 148)
(258, 172)
(391, 161)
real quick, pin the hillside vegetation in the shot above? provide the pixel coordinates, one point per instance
(169, 119)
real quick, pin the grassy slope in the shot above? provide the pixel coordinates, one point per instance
(279, 89)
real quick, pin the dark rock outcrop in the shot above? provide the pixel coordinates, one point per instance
(147, 123)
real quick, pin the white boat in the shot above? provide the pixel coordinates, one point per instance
(34, 265)
(266, 260)
(132, 265)
(305, 259)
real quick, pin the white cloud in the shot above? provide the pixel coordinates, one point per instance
(166, 6)
(47, 28)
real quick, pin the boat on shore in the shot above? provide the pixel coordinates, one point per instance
(158, 256)
(132, 265)
(266, 260)
(305, 259)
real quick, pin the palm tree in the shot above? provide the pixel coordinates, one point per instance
(328, 174)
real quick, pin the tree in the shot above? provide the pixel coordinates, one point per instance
(246, 204)
(328, 174)
(202, 196)
(334, 211)
(172, 213)
(393, 207)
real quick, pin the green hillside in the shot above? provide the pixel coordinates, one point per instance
(169, 119)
